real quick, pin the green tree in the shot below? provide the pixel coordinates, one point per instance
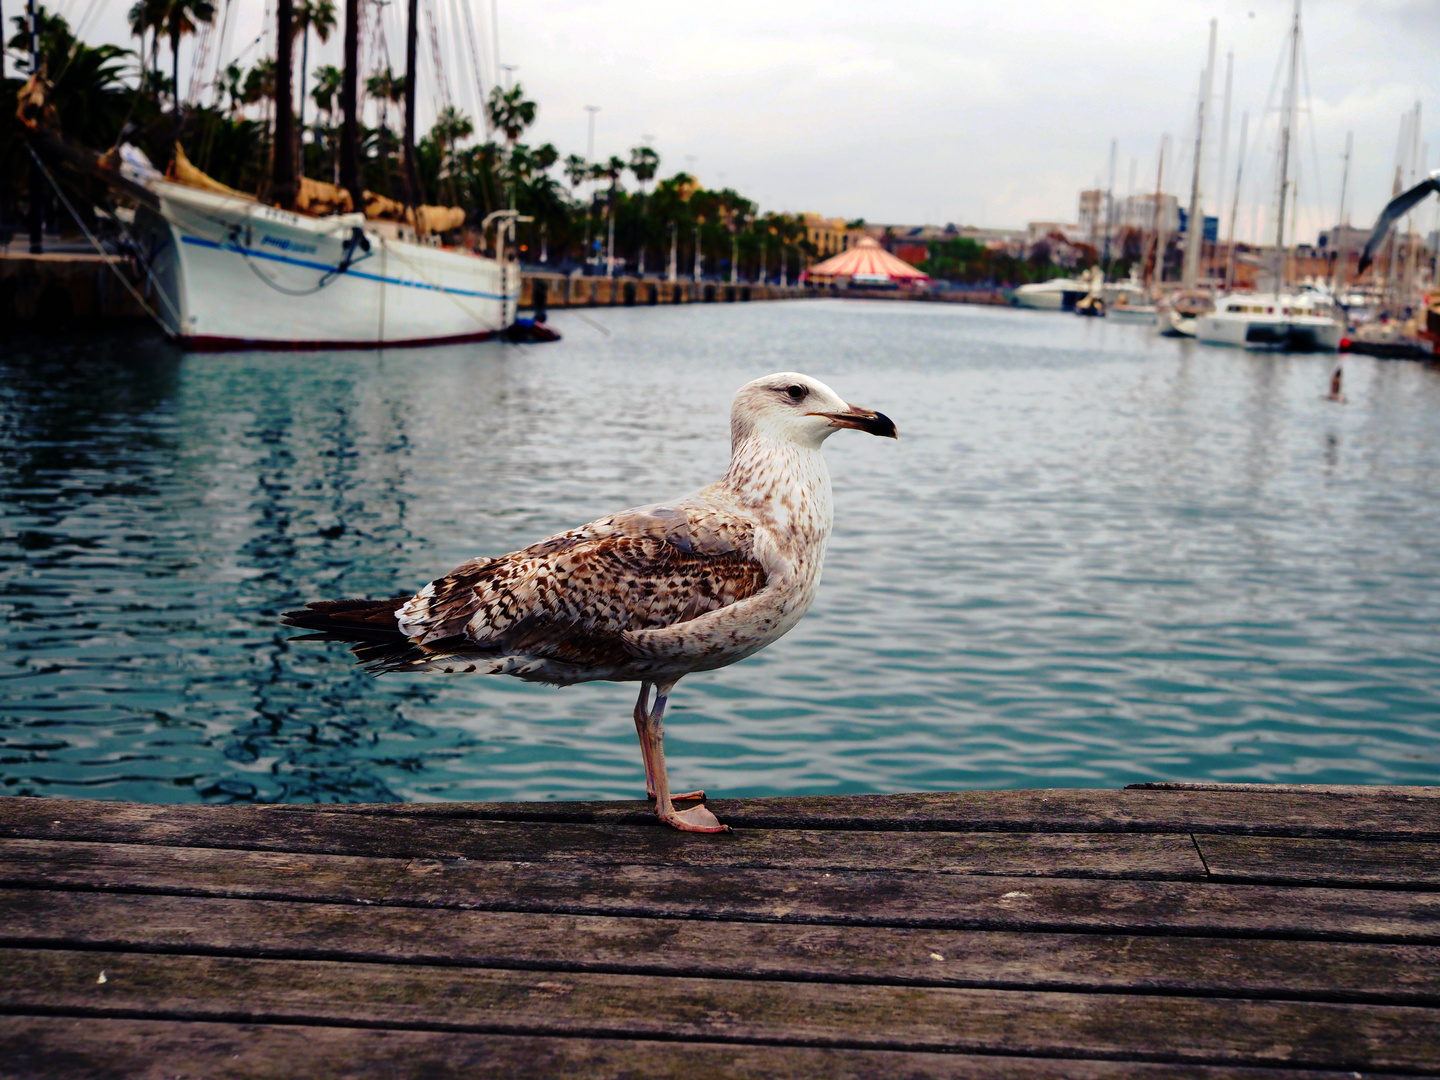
(317, 15)
(510, 112)
(327, 84)
(179, 18)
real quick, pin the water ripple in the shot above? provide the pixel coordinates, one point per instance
(1094, 557)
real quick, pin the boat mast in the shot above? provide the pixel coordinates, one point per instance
(350, 130)
(1341, 234)
(1109, 208)
(1155, 230)
(282, 184)
(1235, 205)
(412, 177)
(1287, 121)
(1195, 223)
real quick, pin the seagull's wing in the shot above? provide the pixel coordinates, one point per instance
(571, 598)
(1396, 208)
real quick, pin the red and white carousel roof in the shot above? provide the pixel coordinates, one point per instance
(866, 259)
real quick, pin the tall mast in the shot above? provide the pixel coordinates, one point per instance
(1195, 223)
(1220, 177)
(1109, 208)
(1287, 121)
(412, 177)
(1159, 250)
(350, 131)
(1235, 205)
(1341, 234)
(282, 186)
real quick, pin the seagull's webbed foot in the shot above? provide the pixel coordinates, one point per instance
(648, 722)
(696, 819)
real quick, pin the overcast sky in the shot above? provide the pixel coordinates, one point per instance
(975, 113)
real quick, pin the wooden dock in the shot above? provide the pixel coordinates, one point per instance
(1161, 932)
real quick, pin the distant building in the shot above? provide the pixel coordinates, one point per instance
(830, 235)
(1036, 231)
(1138, 212)
(1092, 215)
(1342, 238)
(1211, 233)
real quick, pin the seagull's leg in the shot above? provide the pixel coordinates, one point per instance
(697, 818)
(642, 716)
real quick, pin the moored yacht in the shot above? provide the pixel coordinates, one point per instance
(1057, 294)
(1293, 321)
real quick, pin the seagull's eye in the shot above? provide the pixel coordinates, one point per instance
(796, 392)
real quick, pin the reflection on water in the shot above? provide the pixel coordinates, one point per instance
(1094, 557)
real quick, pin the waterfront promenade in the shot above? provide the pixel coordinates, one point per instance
(1157, 931)
(54, 288)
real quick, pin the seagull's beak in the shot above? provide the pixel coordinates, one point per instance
(876, 423)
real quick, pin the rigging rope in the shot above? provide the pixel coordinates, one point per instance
(96, 244)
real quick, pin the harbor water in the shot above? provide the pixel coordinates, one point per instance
(1094, 557)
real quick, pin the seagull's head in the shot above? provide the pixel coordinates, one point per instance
(795, 408)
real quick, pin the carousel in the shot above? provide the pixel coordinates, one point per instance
(865, 266)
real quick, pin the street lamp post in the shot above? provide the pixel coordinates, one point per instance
(697, 253)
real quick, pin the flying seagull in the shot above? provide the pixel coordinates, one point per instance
(647, 595)
(1397, 206)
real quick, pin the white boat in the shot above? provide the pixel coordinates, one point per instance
(1057, 294)
(1299, 320)
(1133, 313)
(1268, 321)
(235, 273)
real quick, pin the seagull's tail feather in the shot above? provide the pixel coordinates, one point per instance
(350, 620)
(374, 633)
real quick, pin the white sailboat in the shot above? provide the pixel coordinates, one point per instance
(1283, 320)
(235, 273)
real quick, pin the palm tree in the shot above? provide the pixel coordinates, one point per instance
(232, 85)
(450, 126)
(389, 89)
(148, 16)
(576, 169)
(320, 16)
(510, 112)
(327, 84)
(643, 163)
(182, 17)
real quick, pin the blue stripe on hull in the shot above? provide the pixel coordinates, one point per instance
(326, 268)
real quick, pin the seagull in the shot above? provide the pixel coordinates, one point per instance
(1397, 206)
(646, 595)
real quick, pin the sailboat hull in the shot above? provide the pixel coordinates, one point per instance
(231, 273)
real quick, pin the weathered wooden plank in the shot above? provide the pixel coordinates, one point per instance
(1400, 813)
(42, 1048)
(1337, 971)
(1369, 791)
(1209, 1031)
(898, 899)
(1296, 861)
(254, 828)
